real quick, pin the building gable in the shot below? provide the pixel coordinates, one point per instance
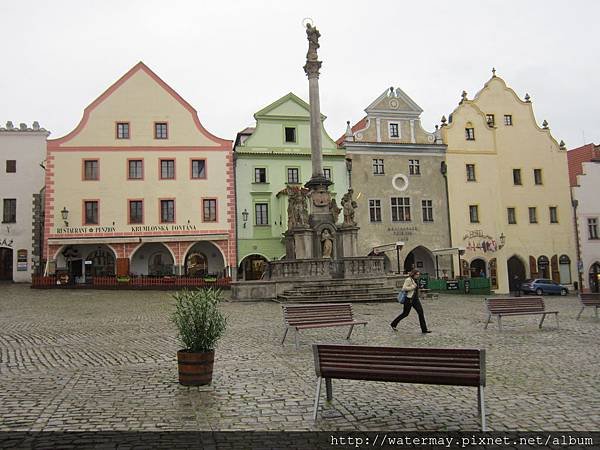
(395, 102)
(139, 98)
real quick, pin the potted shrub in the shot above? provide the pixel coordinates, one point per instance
(200, 324)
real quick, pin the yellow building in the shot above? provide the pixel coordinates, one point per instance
(508, 187)
(139, 188)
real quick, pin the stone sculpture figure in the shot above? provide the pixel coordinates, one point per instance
(326, 244)
(349, 205)
(313, 36)
(297, 208)
(335, 210)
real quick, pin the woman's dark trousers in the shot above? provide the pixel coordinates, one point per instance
(408, 305)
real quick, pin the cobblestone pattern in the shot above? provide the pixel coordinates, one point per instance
(105, 360)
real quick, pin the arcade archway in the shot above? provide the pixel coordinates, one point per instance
(253, 267)
(420, 258)
(477, 268)
(594, 277)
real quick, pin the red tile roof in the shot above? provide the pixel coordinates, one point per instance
(577, 156)
(357, 126)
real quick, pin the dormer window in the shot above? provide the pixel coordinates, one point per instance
(508, 120)
(394, 130)
(470, 134)
(290, 134)
(490, 119)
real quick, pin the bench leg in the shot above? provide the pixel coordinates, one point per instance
(319, 380)
(500, 323)
(284, 335)
(350, 332)
(481, 407)
(542, 321)
(489, 319)
(582, 308)
(329, 389)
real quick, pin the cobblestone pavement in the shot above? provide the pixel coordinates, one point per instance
(106, 360)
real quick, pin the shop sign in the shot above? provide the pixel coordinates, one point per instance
(403, 232)
(477, 240)
(22, 260)
(451, 285)
(132, 228)
(6, 242)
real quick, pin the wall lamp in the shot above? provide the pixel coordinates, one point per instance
(245, 217)
(65, 215)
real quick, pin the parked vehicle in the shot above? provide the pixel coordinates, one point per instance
(541, 286)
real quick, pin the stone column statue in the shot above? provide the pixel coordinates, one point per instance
(326, 244)
(349, 205)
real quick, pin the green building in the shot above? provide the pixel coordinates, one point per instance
(269, 158)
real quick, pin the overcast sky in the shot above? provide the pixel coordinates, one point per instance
(231, 58)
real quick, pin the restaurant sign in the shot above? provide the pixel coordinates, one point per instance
(132, 229)
(477, 240)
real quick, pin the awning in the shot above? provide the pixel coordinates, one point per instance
(449, 251)
(387, 247)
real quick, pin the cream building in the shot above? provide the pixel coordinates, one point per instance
(508, 185)
(139, 187)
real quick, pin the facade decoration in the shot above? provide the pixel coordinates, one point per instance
(399, 185)
(584, 171)
(23, 151)
(508, 190)
(139, 188)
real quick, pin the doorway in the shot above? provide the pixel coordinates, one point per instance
(595, 277)
(477, 268)
(6, 264)
(516, 272)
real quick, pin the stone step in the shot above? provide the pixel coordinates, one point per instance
(337, 291)
(382, 297)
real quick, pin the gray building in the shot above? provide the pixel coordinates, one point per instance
(398, 178)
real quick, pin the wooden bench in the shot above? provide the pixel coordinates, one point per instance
(589, 299)
(319, 315)
(443, 366)
(517, 306)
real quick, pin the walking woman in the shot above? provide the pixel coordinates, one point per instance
(411, 287)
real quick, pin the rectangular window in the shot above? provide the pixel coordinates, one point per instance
(161, 130)
(532, 214)
(470, 172)
(123, 130)
(260, 175)
(512, 216)
(474, 213)
(135, 170)
(517, 177)
(394, 132)
(537, 176)
(90, 169)
(427, 206)
(327, 174)
(293, 175)
(414, 167)
(553, 214)
(378, 166)
(470, 134)
(508, 120)
(209, 210)
(167, 211)
(167, 169)
(136, 211)
(91, 212)
(261, 212)
(593, 227)
(9, 214)
(290, 134)
(375, 210)
(400, 209)
(198, 168)
(11, 165)
(490, 119)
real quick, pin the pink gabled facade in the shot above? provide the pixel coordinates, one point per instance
(139, 187)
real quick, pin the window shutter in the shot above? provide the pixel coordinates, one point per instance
(555, 271)
(533, 267)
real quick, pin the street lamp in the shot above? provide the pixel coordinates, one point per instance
(65, 215)
(245, 217)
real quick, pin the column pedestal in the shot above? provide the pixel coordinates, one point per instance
(347, 241)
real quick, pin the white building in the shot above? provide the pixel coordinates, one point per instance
(588, 224)
(22, 154)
